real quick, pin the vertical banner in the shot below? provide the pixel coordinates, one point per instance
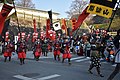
(50, 16)
(47, 27)
(73, 21)
(5, 28)
(64, 27)
(3, 15)
(34, 23)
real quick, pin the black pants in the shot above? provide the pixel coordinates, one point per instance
(57, 56)
(44, 53)
(22, 61)
(116, 70)
(6, 58)
(88, 53)
(97, 68)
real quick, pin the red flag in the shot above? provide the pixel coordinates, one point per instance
(3, 15)
(73, 21)
(81, 18)
(47, 27)
(64, 27)
(34, 23)
(63, 24)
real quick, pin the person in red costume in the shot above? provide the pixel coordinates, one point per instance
(66, 51)
(22, 51)
(57, 50)
(9, 48)
(37, 49)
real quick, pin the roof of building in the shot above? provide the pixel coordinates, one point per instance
(33, 9)
(36, 10)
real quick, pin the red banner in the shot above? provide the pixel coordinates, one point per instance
(64, 26)
(81, 18)
(3, 15)
(73, 23)
(34, 23)
(47, 27)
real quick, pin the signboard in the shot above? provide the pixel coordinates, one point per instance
(112, 33)
(101, 7)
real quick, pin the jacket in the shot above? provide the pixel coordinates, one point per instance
(117, 57)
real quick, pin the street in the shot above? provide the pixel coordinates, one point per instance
(49, 69)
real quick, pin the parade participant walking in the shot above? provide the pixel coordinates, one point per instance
(57, 50)
(50, 44)
(44, 47)
(22, 51)
(95, 60)
(87, 49)
(37, 49)
(116, 42)
(66, 51)
(9, 48)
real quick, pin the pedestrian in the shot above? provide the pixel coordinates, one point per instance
(116, 42)
(66, 51)
(95, 60)
(9, 47)
(57, 50)
(37, 49)
(87, 49)
(22, 51)
(44, 48)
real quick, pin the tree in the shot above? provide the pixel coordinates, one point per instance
(99, 20)
(25, 3)
(76, 7)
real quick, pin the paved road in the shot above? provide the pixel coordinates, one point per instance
(48, 69)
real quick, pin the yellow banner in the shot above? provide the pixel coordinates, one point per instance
(112, 33)
(99, 10)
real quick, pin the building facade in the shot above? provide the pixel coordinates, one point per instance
(26, 16)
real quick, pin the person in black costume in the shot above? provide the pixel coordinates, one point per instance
(116, 42)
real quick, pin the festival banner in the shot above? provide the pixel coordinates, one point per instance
(34, 23)
(64, 26)
(3, 15)
(102, 7)
(80, 20)
(47, 27)
(56, 26)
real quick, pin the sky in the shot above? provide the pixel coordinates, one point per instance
(59, 6)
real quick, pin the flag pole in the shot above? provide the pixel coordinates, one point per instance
(76, 32)
(118, 3)
(17, 19)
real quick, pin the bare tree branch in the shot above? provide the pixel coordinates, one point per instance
(76, 7)
(25, 3)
